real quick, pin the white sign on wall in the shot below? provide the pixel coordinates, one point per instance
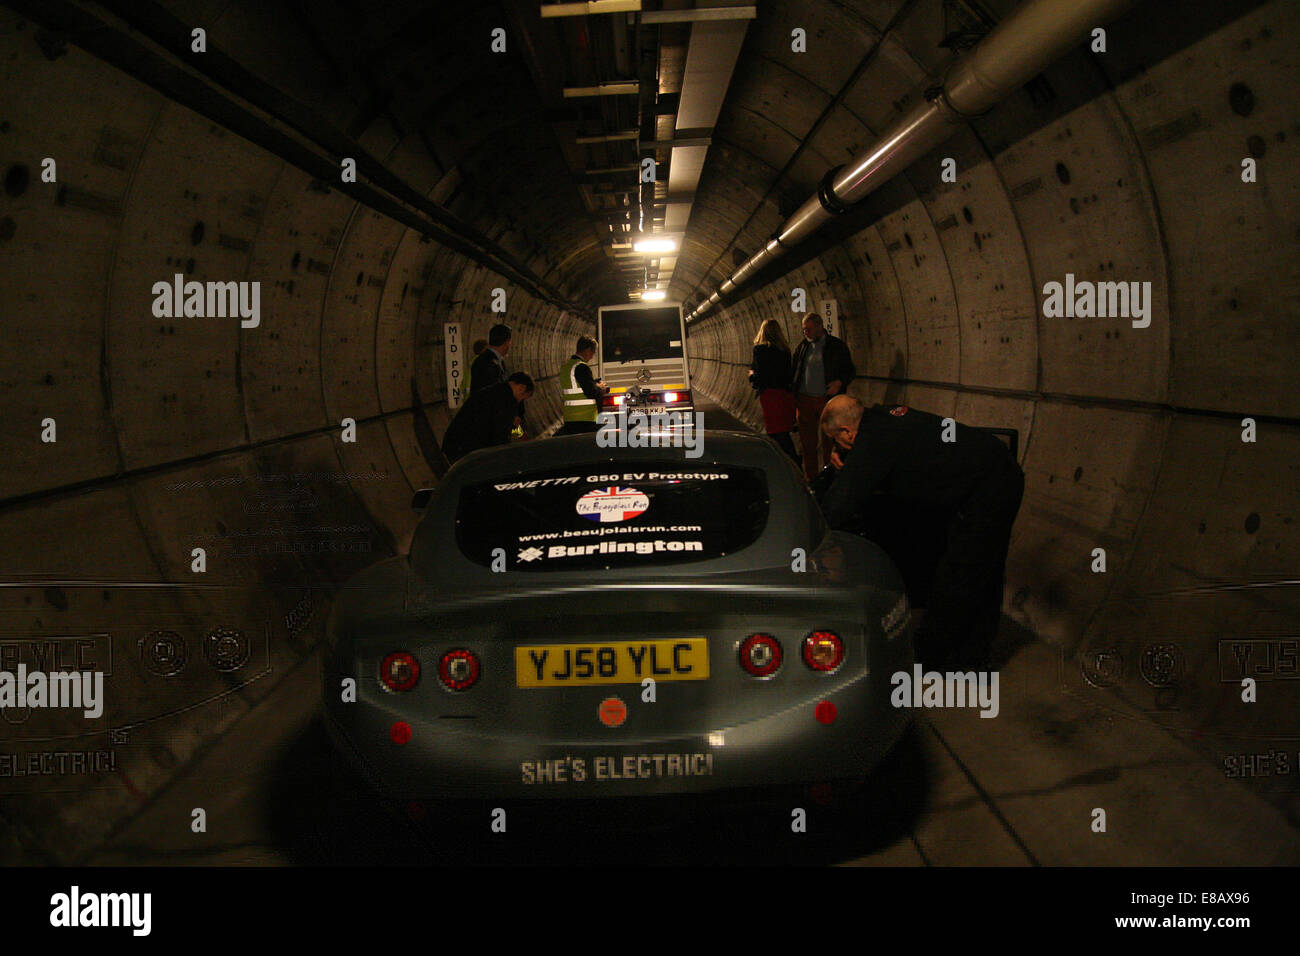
(829, 309)
(456, 366)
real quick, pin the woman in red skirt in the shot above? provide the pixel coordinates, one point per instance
(769, 374)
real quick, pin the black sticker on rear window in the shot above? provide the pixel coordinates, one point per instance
(639, 515)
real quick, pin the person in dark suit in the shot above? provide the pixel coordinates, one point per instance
(950, 469)
(490, 366)
(487, 417)
(823, 368)
(770, 374)
(467, 384)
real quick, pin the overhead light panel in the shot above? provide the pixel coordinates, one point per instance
(591, 6)
(699, 15)
(627, 134)
(616, 88)
(654, 295)
(655, 245)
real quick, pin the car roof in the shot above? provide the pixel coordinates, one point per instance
(719, 446)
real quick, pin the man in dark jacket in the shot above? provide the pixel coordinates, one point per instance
(490, 366)
(937, 463)
(487, 417)
(823, 369)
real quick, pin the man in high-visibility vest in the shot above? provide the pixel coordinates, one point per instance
(580, 391)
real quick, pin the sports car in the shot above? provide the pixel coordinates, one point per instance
(576, 621)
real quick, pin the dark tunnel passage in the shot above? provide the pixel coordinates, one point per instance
(288, 448)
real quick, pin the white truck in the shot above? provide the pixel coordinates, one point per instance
(643, 358)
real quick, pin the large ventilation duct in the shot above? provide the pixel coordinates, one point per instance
(1033, 37)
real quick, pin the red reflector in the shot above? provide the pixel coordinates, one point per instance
(823, 650)
(825, 712)
(400, 732)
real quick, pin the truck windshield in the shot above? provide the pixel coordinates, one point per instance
(631, 335)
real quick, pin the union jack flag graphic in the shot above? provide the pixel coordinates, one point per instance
(612, 504)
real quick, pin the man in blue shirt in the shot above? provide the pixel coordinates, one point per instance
(823, 368)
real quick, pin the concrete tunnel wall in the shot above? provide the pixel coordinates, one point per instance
(166, 428)
(1130, 438)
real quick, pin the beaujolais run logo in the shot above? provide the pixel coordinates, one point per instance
(612, 504)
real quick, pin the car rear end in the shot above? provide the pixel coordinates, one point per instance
(594, 669)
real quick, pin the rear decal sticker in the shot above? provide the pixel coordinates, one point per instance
(532, 553)
(614, 503)
(569, 769)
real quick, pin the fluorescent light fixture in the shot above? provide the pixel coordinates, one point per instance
(698, 15)
(655, 245)
(654, 295)
(608, 137)
(591, 6)
(615, 88)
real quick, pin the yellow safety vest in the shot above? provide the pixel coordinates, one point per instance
(577, 406)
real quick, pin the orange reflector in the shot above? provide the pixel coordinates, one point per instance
(612, 711)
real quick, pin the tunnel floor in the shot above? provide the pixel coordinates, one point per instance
(958, 790)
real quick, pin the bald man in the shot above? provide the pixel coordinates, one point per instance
(936, 463)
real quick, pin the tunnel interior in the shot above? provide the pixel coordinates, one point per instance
(1154, 557)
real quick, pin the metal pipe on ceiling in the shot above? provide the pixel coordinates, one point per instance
(1030, 39)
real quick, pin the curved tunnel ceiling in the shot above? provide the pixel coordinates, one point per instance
(178, 433)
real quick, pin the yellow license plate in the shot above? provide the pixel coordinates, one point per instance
(611, 662)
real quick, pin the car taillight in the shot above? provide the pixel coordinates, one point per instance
(760, 655)
(459, 669)
(399, 671)
(670, 396)
(823, 650)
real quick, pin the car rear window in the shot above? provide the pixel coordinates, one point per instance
(602, 516)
